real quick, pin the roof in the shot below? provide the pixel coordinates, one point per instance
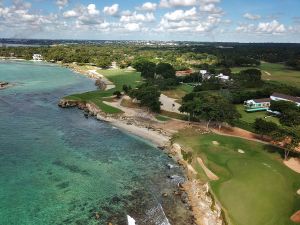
(261, 100)
(287, 97)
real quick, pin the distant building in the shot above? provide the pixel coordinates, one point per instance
(255, 105)
(282, 97)
(183, 73)
(223, 77)
(37, 57)
(265, 103)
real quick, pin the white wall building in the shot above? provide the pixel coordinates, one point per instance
(37, 57)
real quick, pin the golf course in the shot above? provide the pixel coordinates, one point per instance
(254, 186)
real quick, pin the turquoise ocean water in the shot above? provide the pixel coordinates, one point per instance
(56, 167)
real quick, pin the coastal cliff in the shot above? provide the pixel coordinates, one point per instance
(206, 210)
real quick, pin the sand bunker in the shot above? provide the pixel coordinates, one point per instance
(215, 143)
(296, 217)
(298, 192)
(293, 163)
(241, 151)
(207, 171)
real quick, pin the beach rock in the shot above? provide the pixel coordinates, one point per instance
(100, 84)
(64, 103)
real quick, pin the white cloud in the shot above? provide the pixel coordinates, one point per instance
(132, 27)
(250, 16)
(92, 10)
(177, 3)
(70, 14)
(62, 3)
(111, 10)
(210, 8)
(148, 6)
(273, 27)
(129, 17)
(181, 14)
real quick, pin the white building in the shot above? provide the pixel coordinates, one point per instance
(37, 57)
(223, 77)
(282, 97)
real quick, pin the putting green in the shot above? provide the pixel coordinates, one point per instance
(255, 188)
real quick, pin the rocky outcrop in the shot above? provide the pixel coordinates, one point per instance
(205, 208)
(3, 84)
(66, 103)
(101, 84)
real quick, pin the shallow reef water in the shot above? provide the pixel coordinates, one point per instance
(57, 167)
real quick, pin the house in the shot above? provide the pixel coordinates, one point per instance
(223, 77)
(282, 97)
(37, 57)
(183, 73)
(255, 105)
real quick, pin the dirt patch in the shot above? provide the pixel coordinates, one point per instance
(293, 163)
(215, 143)
(207, 171)
(296, 217)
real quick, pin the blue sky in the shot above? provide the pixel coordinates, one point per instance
(192, 20)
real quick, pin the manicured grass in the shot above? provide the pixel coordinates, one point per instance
(120, 77)
(96, 97)
(254, 188)
(276, 72)
(179, 91)
(250, 117)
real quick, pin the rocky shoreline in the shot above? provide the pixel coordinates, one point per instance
(4, 85)
(205, 209)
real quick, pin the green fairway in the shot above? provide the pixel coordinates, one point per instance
(255, 188)
(119, 78)
(276, 72)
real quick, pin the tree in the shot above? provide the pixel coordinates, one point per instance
(290, 118)
(165, 70)
(248, 78)
(210, 107)
(126, 88)
(264, 127)
(148, 96)
(148, 69)
(283, 106)
(117, 94)
(103, 62)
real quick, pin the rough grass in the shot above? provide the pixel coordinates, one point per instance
(254, 188)
(179, 91)
(279, 73)
(162, 118)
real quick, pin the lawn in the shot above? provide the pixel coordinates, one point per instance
(276, 72)
(249, 117)
(118, 77)
(254, 188)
